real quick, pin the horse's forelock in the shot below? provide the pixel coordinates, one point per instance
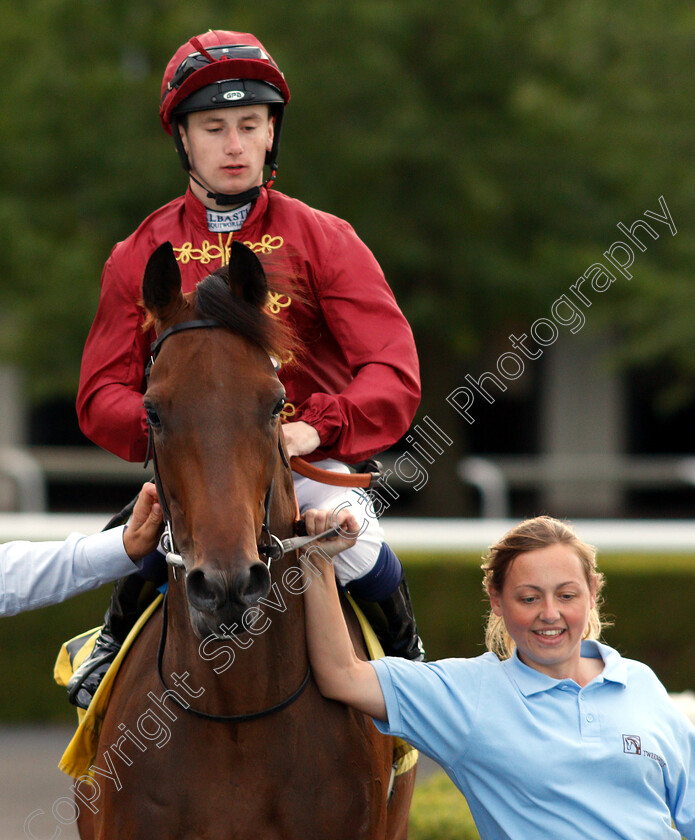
(213, 299)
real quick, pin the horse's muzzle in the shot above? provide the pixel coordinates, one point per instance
(217, 600)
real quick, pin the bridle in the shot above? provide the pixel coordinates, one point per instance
(271, 548)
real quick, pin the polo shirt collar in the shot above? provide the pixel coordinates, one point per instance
(529, 681)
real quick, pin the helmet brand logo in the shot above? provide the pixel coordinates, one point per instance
(234, 94)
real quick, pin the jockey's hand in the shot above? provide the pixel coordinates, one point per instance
(141, 535)
(300, 438)
(317, 521)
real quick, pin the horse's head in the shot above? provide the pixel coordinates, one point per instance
(213, 403)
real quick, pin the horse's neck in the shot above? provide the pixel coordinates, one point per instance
(257, 664)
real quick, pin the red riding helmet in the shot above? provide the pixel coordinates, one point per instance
(221, 69)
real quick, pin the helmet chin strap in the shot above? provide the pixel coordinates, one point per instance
(225, 200)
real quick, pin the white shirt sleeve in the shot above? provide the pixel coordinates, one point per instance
(36, 574)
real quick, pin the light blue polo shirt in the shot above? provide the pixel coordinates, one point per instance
(537, 757)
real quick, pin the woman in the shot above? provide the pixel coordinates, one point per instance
(548, 734)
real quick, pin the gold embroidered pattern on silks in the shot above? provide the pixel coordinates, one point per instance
(221, 250)
(288, 411)
(210, 251)
(277, 301)
(267, 245)
(207, 252)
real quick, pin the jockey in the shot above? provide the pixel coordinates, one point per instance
(354, 389)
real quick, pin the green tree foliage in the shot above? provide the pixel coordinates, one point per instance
(484, 150)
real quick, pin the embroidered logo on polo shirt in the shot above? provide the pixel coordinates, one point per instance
(632, 744)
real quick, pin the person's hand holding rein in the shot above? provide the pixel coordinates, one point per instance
(142, 533)
(317, 521)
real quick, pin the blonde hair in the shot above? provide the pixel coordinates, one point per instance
(531, 535)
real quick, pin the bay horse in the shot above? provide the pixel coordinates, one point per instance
(215, 728)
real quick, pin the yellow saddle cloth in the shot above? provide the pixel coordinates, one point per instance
(81, 752)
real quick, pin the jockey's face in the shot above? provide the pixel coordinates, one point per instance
(226, 148)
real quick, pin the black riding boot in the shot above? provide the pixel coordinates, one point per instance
(403, 639)
(394, 623)
(129, 599)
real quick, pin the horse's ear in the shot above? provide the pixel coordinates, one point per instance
(247, 279)
(161, 286)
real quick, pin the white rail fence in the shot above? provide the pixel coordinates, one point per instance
(26, 471)
(29, 469)
(421, 535)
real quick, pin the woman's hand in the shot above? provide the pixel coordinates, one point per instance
(317, 521)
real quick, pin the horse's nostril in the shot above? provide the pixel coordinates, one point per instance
(210, 591)
(205, 592)
(257, 584)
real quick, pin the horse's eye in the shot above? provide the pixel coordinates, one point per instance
(279, 405)
(153, 419)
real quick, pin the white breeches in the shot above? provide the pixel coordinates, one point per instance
(355, 562)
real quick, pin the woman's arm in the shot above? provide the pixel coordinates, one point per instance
(339, 673)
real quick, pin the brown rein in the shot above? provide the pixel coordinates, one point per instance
(366, 480)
